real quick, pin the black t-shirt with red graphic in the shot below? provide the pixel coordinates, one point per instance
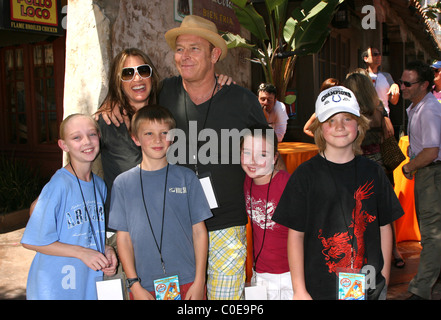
(339, 207)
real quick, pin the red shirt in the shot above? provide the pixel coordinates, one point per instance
(273, 257)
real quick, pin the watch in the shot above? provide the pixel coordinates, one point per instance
(404, 171)
(131, 281)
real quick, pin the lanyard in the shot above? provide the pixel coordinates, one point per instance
(159, 247)
(99, 244)
(266, 215)
(341, 206)
(205, 121)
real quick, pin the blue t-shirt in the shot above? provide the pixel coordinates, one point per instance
(60, 215)
(185, 205)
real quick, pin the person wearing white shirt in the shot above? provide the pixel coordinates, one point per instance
(387, 89)
(275, 111)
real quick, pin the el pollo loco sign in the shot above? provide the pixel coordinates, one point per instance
(35, 11)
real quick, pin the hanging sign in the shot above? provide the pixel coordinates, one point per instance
(36, 16)
(219, 11)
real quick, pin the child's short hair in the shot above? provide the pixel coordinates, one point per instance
(154, 113)
(261, 130)
(70, 117)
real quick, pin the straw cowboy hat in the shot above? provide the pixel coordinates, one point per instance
(199, 27)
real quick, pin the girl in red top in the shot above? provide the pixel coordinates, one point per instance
(262, 188)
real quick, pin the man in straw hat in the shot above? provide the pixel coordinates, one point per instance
(195, 99)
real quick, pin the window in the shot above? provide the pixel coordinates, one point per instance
(333, 59)
(31, 100)
(17, 128)
(44, 90)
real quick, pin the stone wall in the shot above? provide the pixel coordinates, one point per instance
(98, 30)
(87, 57)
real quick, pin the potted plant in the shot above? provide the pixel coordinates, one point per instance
(282, 37)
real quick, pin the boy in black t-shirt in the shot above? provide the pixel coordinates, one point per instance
(339, 207)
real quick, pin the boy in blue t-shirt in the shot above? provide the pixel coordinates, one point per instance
(158, 211)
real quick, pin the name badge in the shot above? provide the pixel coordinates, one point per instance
(207, 186)
(351, 286)
(256, 290)
(167, 288)
(110, 289)
(256, 293)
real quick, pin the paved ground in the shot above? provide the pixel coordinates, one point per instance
(14, 266)
(15, 262)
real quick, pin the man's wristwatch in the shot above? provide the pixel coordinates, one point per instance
(131, 281)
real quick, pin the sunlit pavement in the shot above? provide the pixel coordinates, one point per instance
(15, 262)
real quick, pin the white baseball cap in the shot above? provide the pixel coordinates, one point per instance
(335, 100)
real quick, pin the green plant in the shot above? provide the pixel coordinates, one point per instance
(20, 184)
(302, 32)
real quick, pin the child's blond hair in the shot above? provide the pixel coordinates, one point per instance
(363, 126)
(62, 131)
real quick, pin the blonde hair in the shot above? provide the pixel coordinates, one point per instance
(363, 126)
(62, 131)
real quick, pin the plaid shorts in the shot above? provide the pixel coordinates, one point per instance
(226, 264)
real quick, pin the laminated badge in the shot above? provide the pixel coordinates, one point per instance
(167, 288)
(351, 286)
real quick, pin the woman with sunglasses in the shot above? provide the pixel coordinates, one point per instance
(133, 83)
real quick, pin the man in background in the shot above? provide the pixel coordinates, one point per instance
(424, 166)
(275, 111)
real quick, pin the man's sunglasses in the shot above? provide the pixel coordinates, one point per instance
(144, 71)
(407, 84)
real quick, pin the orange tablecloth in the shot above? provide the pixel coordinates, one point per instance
(293, 153)
(406, 228)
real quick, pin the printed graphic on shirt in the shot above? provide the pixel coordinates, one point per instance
(258, 214)
(178, 190)
(337, 249)
(77, 216)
